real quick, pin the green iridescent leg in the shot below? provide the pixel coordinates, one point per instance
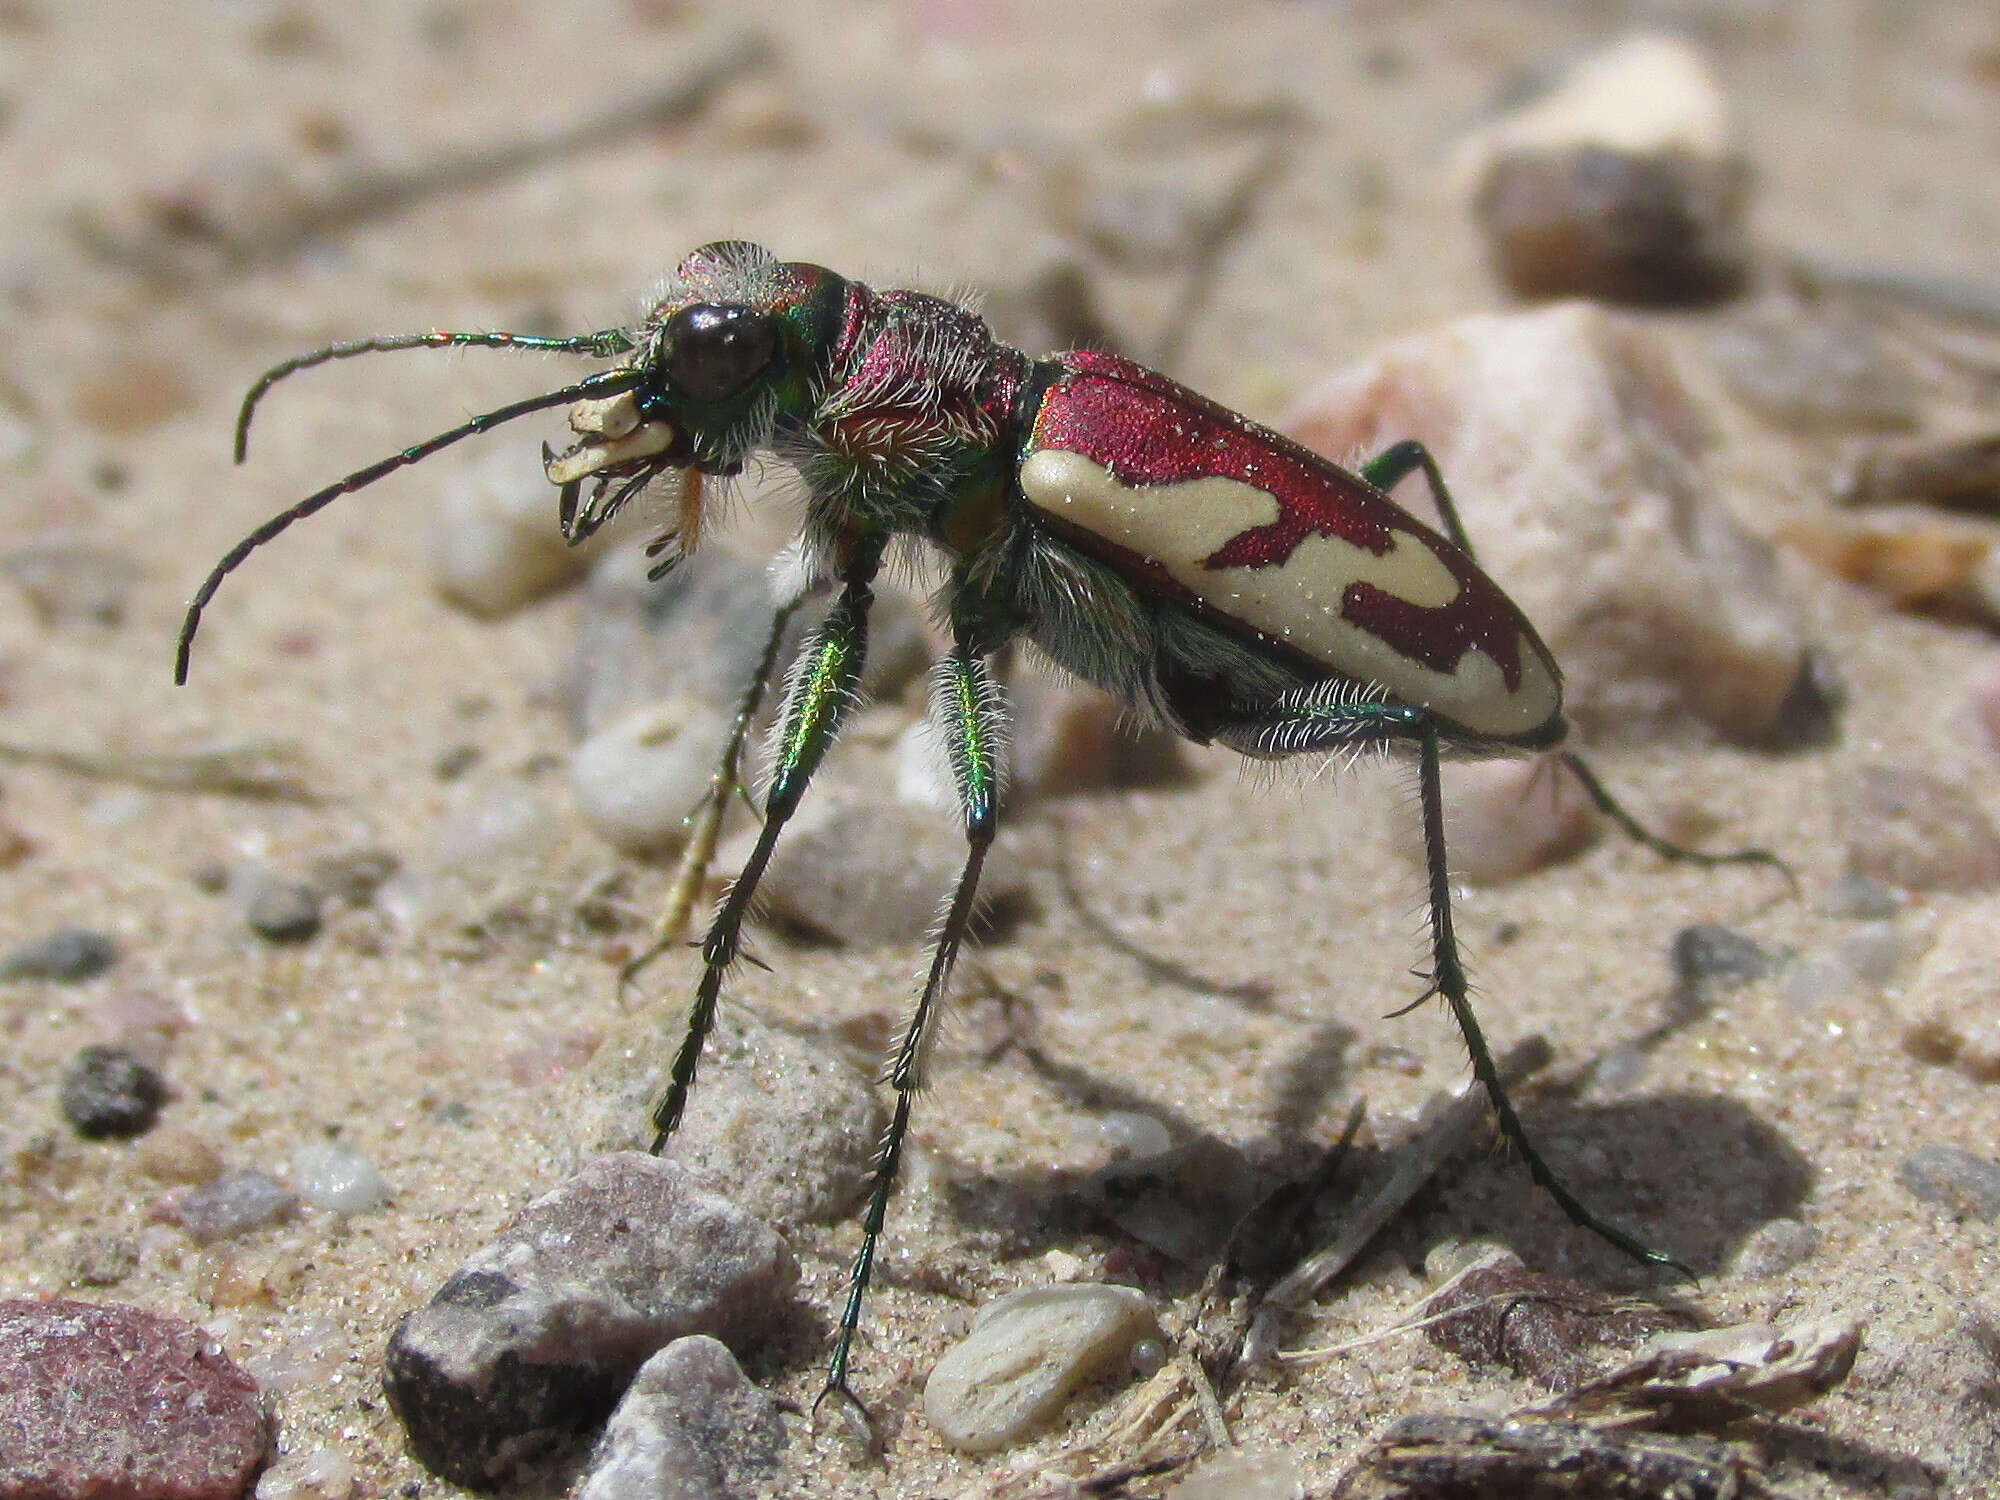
(1396, 463)
(823, 685)
(966, 711)
(1317, 721)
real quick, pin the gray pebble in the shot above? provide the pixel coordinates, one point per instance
(107, 1093)
(68, 956)
(282, 911)
(784, 1120)
(532, 1340)
(1027, 1354)
(1953, 1178)
(1909, 827)
(873, 874)
(1709, 957)
(691, 1427)
(1776, 1247)
(234, 1204)
(338, 1178)
(1183, 1202)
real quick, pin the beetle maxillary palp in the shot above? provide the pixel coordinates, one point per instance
(609, 432)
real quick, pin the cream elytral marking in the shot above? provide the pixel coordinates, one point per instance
(1298, 601)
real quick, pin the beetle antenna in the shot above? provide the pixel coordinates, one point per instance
(604, 383)
(600, 345)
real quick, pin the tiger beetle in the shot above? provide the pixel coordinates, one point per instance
(1219, 578)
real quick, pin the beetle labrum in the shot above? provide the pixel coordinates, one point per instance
(1216, 576)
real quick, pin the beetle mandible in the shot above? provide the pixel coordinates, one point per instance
(1218, 577)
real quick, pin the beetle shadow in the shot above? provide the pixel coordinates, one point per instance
(1693, 1175)
(1252, 994)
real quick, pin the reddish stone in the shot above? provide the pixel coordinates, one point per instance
(104, 1401)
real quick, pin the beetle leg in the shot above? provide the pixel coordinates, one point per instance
(1396, 463)
(824, 682)
(705, 822)
(1305, 723)
(968, 715)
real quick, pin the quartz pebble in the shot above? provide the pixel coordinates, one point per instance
(232, 1205)
(1574, 452)
(338, 1178)
(532, 1340)
(1953, 1178)
(493, 544)
(637, 779)
(113, 1402)
(1242, 1474)
(1623, 182)
(1508, 818)
(1910, 827)
(1813, 368)
(1951, 1008)
(784, 1120)
(68, 956)
(1027, 1354)
(690, 1427)
(108, 1093)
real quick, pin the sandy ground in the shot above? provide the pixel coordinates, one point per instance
(154, 160)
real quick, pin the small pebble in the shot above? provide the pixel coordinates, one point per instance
(1594, 510)
(872, 875)
(493, 543)
(68, 956)
(1624, 182)
(1027, 1354)
(1910, 827)
(690, 1427)
(109, 1094)
(1774, 1247)
(1709, 957)
(103, 1259)
(534, 1337)
(321, 1474)
(784, 1120)
(354, 875)
(1951, 1007)
(173, 1153)
(1065, 737)
(338, 1178)
(282, 911)
(1953, 1178)
(1508, 818)
(638, 778)
(1182, 1202)
(1242, 1474)
(234, 1204)
(112, 1402)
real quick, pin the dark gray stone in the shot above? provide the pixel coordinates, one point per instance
(68, 956)
(108, 1093)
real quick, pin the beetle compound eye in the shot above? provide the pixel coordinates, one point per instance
(715, 349)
